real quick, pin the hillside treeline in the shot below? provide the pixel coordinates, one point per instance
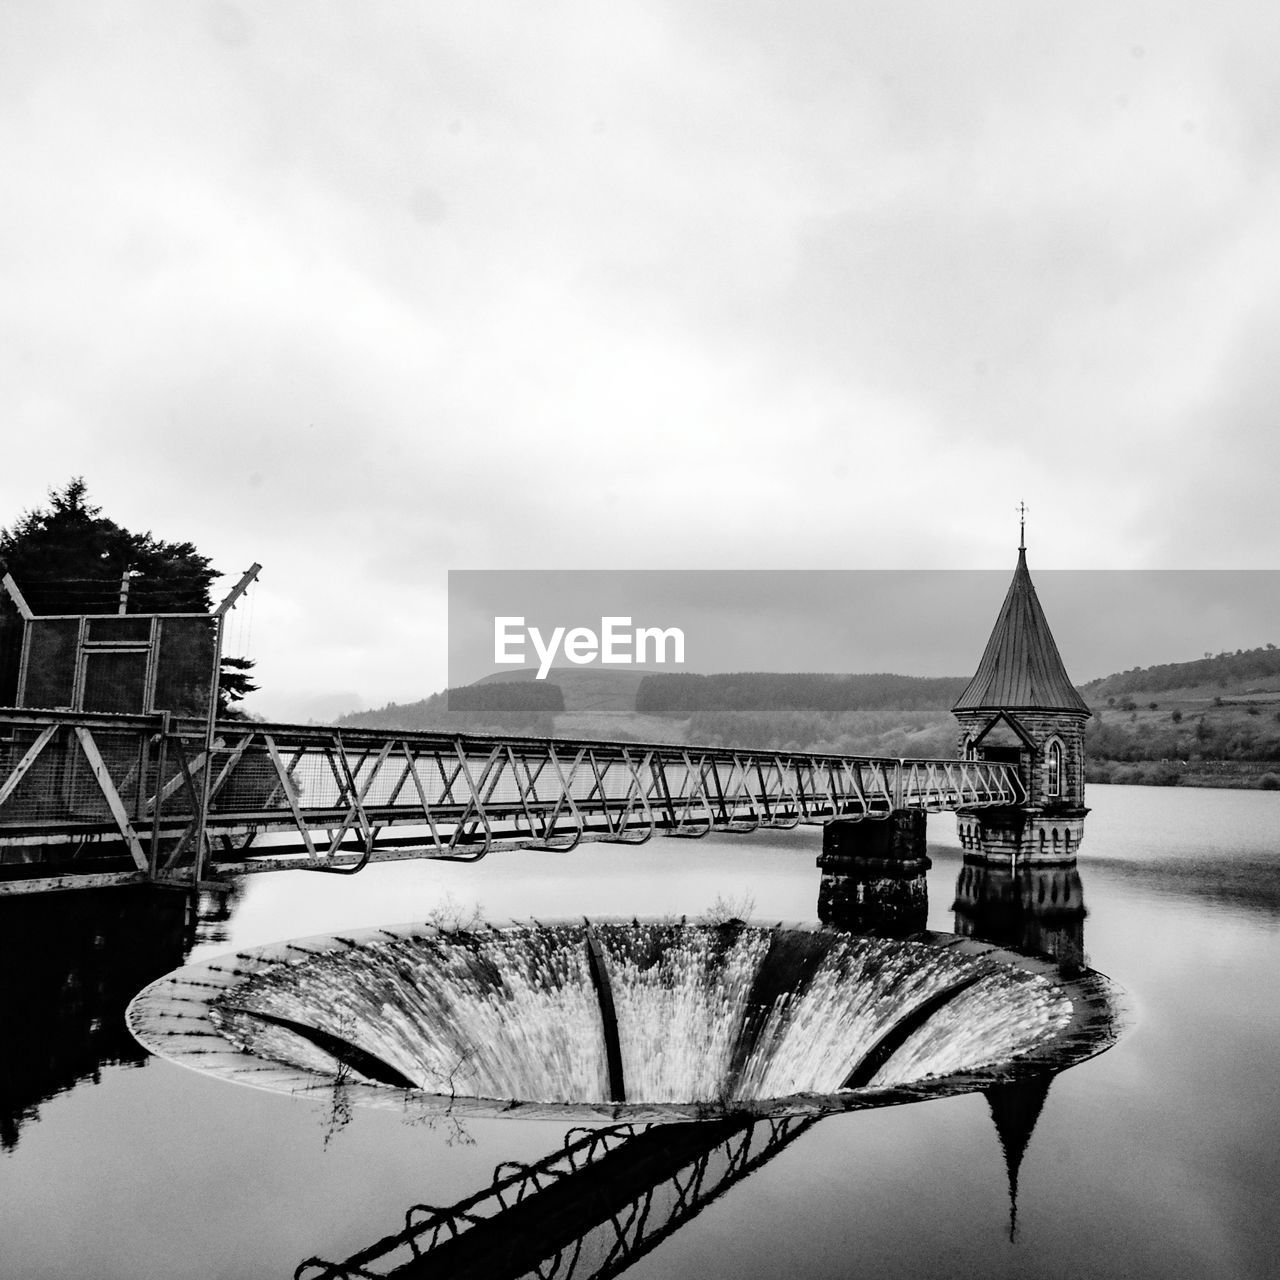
(1221, 670)
(504, 707)
(1255, 737)
(679, 695)
(885, 732)
(508, 697)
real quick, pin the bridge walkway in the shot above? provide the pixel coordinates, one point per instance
(97, 798)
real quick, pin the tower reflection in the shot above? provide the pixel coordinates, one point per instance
(1037, 908)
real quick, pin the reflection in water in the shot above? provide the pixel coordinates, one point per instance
(69, 964)
(1015, 1108)
(873, 883)
(612, 1194)
(1246, 882)
(1029, 907)
(1036, 908)
(756, 1031)
(873, 875)
(592, 1208)
(589, 1211)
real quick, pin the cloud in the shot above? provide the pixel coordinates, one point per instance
(372, 294)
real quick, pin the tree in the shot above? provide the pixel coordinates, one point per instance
(70, 558)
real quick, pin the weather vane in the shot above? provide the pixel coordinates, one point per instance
(1022, 525)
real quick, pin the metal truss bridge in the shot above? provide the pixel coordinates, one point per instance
(90, 799)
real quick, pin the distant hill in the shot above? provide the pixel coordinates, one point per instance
(683, 694)
(585, 689)
(600, 704)
(513, 707)
(1211, 721)
(1247, 671)
(875, 714)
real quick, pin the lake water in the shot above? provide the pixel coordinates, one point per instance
(1161, 1157)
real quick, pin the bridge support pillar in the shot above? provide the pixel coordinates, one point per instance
(873, 874)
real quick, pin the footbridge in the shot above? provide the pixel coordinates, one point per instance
(96, 798)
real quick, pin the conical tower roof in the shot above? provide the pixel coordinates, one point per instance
(1021, 669)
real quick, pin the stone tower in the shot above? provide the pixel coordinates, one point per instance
(1021, 708)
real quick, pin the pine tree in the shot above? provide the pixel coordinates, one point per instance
(68, 558)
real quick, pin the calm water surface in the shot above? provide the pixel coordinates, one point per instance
(1159, 1158)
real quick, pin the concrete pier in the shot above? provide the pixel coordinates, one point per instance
(1025, 904)
(873, 875)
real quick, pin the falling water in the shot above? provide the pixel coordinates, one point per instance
(693, 1014)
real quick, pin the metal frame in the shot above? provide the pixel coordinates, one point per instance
(87, 648)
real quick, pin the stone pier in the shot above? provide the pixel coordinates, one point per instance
(873, 874)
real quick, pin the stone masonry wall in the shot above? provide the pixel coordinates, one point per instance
(1068, 727)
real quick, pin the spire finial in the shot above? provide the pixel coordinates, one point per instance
(1022, 526)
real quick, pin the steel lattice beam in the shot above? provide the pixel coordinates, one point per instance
(330, 799)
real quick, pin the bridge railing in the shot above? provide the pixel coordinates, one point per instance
(336, 796)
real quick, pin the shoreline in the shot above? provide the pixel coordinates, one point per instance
(1239, 775)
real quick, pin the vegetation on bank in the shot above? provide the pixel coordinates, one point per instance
(1241, 775)
(1213, 732)
(1211, 722)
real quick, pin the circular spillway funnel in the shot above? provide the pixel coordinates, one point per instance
(625, 1020)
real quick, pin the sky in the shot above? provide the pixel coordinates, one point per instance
(910, 622)
(369, 293)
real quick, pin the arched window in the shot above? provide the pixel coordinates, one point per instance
(1053, 770)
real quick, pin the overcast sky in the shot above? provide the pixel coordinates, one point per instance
(372, 291)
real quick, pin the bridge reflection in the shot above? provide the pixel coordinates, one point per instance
(590, 1209)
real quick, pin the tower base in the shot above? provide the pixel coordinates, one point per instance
(1014, 834)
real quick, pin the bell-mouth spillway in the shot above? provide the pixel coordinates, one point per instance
(636, 1020)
